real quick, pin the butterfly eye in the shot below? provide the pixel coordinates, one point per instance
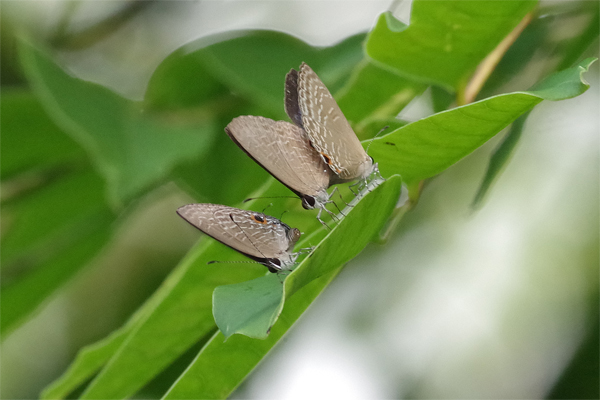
(308, 202)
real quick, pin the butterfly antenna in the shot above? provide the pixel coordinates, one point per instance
(232, 262)
(375, 137)
(281, 216)
(268, 197)
(265, 209)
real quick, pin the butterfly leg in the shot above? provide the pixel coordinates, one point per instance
(361, 183)
(306, 250)
(319, 216)
(333, 216)
(352, 190)
(331, 213)
(341, 198)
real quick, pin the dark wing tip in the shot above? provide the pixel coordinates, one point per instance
(292, 108)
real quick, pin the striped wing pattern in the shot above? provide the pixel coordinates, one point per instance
(284, 150)
(256, 235)
(325, 124)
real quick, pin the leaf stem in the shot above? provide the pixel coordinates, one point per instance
(487, 66)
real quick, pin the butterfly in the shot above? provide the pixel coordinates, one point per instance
(317, 150)
(260, 237)
(310, 105)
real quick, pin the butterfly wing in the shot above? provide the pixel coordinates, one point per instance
(284, 150)
(253, 234)
(311, 106)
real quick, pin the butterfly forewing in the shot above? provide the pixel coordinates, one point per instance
(325, 124)
(284, 150)
(253, 234)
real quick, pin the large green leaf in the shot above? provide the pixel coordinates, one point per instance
(130, 148)
(375, 94)
(25, 293)
(221, 366)
(52, 227)
(30, 140)
(445, 40)
(247, 64)
(55, 218)
(427, 147)
(46, 220)
(88, 362)
(251, 308)
(93, 357)
(176, 316)
(181, 315)
(499, 158)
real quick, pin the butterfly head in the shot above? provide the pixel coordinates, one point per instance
(293, 235)
(364, 170)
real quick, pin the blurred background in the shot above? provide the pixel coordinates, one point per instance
(498, 302)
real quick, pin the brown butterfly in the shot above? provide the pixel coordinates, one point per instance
(260, 237)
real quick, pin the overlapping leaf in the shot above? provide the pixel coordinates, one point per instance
(251, 308)
(179, 315)
(445, 40)
(248, 63)
(130, 149)
(302, 286)
(54, 213)
(426, 147)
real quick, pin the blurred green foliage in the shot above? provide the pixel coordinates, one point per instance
(77, 158)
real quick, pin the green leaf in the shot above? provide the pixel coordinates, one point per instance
(181, 316)
(426, 147)
(89, 361)
(51, 232)
(181, 310)
(93, 357)
(374, 93)
(181, 81)
(131, 149)
(247, 64)
(249, 308)
(22, 296)
(445, 40)
(44, 221)
(499, 158)
(30, 140)
(54, 216)
(221, 366)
